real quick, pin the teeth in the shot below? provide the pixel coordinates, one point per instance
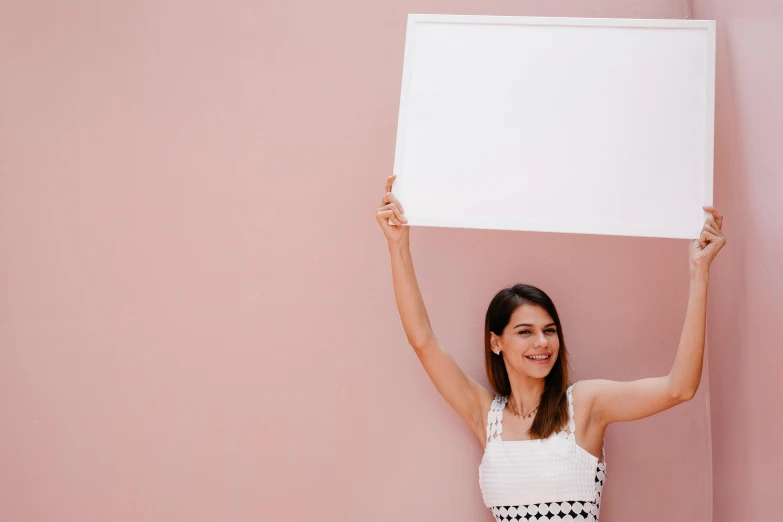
(538, 357)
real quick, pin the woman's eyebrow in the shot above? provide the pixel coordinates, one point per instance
(532, 325)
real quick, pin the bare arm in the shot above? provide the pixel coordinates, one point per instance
(410, 303)
(463, 393)
(613, 401)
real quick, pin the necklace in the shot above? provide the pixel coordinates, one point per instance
(519, 415)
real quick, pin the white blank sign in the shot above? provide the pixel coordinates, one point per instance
(599, 126)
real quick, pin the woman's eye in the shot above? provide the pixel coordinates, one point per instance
(551, 330)
(524, 331)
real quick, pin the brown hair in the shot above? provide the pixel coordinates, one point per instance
(552, 412)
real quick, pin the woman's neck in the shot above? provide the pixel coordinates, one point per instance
(525, 392)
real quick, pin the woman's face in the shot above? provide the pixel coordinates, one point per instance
(529, 343)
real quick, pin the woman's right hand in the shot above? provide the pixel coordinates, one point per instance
(390, 209)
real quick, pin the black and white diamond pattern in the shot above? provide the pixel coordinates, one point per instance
(549, 512)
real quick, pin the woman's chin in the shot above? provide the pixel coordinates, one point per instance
(538, 370)
(541, 374)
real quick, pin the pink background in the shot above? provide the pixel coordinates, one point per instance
(196, 314)
(745, 355)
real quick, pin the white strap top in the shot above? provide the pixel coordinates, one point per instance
(541, 474)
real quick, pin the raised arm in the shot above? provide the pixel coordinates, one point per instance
(463, 393)
(613, 401)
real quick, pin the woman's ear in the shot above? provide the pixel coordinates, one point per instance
(494, 343)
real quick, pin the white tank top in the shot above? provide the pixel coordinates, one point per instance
(542, 479)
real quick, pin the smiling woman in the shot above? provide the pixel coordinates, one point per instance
(523, 335)
(544, 460)
(525, 350)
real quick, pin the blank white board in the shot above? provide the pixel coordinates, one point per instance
(581, 125)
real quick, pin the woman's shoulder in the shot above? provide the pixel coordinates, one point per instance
(486, 398)
(584, 392)
(580, 389)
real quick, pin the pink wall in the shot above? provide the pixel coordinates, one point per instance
(745, 355)
(196, 314)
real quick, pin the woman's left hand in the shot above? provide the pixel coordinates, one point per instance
(711, 240)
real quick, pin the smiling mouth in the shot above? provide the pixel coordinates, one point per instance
(539, 358)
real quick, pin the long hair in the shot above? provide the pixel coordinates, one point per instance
(552, 412)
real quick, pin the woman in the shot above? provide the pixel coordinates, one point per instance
(543, 436)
